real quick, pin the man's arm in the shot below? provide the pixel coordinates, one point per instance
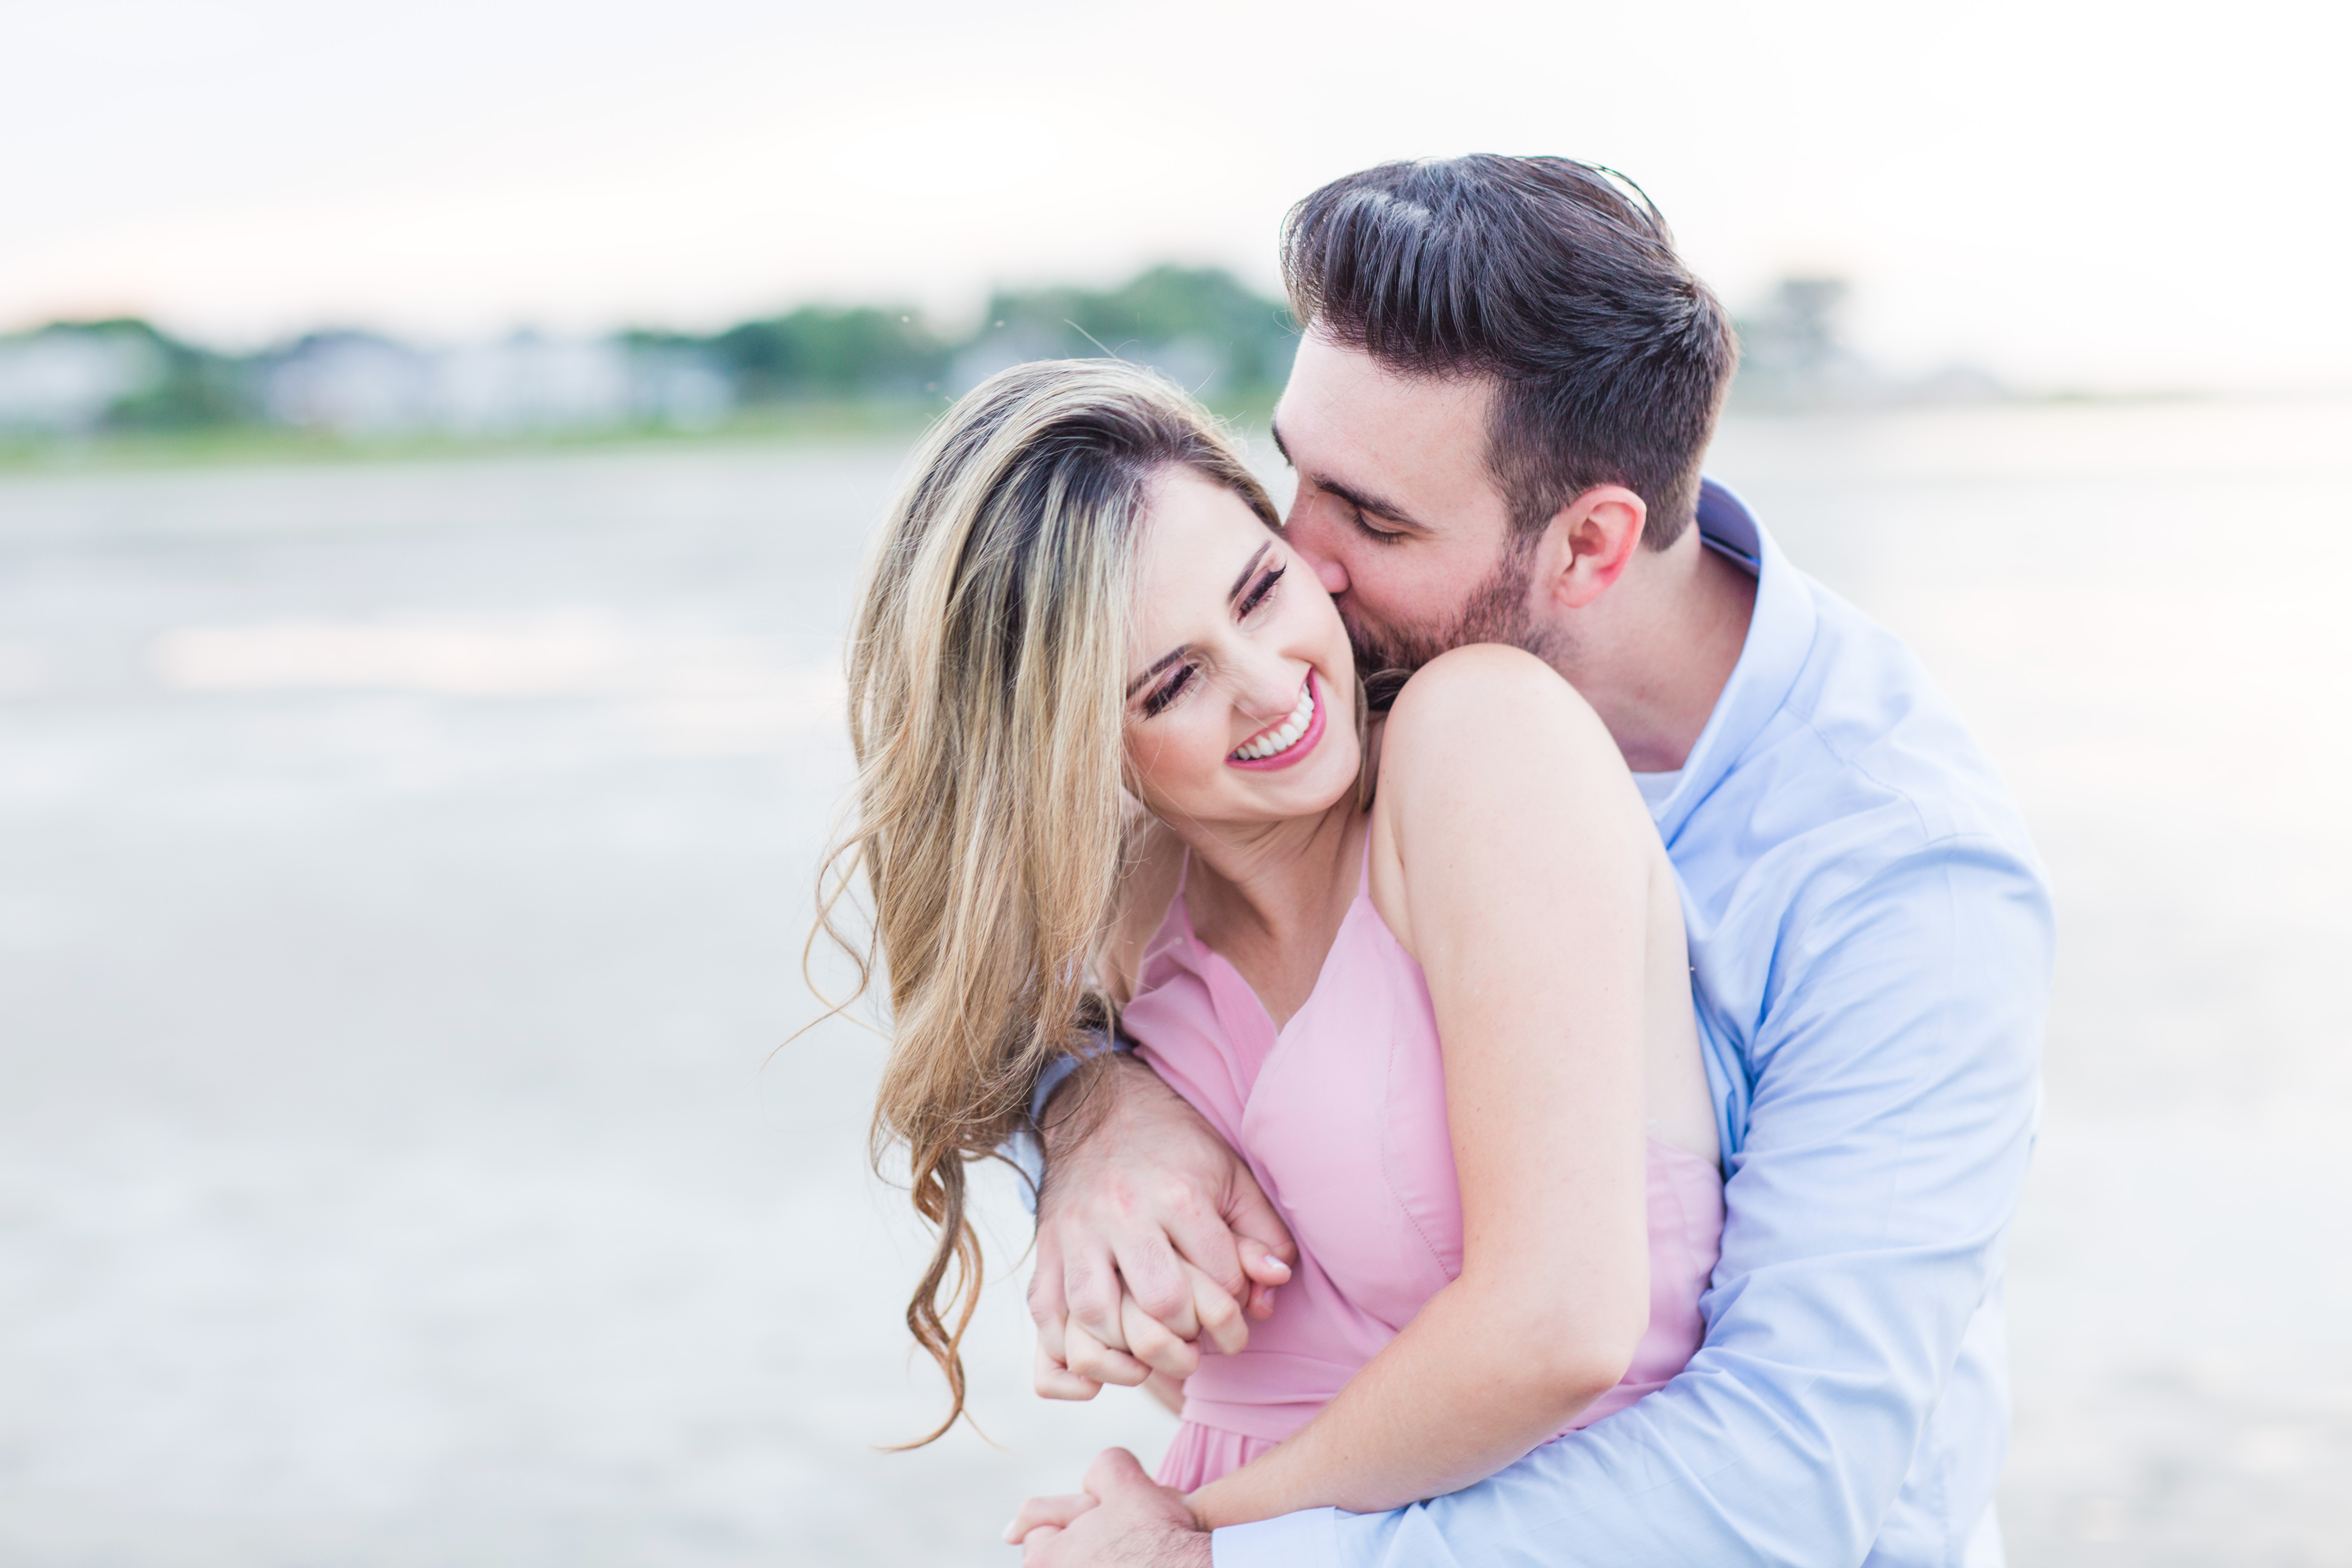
(1150, 1231)
(1895, 1092)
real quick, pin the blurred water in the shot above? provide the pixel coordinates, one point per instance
(403, 872)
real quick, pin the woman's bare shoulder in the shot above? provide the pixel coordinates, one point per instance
(1488, 741)
(1473, 709)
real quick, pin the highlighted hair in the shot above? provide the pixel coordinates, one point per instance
(987, 696)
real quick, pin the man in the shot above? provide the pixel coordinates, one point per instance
(1498, 415)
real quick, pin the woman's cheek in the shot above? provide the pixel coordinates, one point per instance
(1160, 763)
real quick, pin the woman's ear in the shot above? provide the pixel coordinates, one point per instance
(1590, 542)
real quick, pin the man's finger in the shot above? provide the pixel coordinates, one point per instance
(1091, 1286)
(1090, 1358)
(1198, 1231)
(1114, 1469)
(1057, 1511)
(1153, 1273)
(1046, 1299)
(1055, 1381)
(1150, 1341)
(1045, 1310)
(1034, 1546)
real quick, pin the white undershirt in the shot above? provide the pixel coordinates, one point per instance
(1656, 787)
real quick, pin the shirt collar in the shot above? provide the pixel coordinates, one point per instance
(1779, 638)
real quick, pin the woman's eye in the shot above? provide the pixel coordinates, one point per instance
(1258, 595)
(1161, 696)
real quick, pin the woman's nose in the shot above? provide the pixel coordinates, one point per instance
(1270, 690)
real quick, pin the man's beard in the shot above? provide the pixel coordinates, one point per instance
(1496, 612)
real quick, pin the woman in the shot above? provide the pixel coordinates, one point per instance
(1083, 605)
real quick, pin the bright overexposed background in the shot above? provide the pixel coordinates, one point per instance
(2075, 195)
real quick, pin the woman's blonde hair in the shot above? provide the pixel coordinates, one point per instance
(987, 691)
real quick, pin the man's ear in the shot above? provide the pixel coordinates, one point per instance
(1588, 544)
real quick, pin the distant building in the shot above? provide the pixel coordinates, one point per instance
(350, 382)
(682, 388)
(530, 383)
(359, 383)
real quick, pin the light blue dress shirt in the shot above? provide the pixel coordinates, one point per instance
(1871, 939)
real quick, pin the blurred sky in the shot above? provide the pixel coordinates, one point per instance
(2107, 196)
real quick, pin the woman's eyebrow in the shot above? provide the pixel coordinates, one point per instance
(1231, 593)
(1243, 580)
(1164, 661)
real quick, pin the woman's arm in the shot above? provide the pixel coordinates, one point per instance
(1508, 857)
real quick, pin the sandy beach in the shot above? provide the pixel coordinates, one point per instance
(404, 872)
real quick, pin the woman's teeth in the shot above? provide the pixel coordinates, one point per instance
(1274, 743)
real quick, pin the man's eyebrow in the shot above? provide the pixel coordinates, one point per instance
(1364, 501)
(1165, 660)
(1243, 580)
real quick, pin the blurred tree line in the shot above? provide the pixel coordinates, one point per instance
(1202, 325)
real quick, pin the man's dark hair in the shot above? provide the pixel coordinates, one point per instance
(1558, 279)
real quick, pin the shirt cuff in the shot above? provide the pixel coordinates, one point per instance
(1309, 1539)
(1023, 1148)
(1054, 1073)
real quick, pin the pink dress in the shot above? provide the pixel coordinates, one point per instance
(1341, 1116)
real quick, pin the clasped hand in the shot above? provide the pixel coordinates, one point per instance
(1152, 1234)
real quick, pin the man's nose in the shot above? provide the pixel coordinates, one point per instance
(1309, 534)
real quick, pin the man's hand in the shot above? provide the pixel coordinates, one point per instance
(1122, 1517)
(1150, 1232)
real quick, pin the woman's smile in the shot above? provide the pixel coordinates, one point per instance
(1287, 742)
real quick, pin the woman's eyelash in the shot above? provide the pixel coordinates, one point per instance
(1157, 700)
(1265, 587)
(1161, 696)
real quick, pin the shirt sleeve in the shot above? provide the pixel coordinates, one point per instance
(1894, 1082)
(1024, 1148)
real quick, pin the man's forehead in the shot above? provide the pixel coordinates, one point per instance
(1346, 419)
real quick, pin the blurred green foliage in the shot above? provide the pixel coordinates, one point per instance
(1198, 323)
(1203, 326)
(821, 352)
(1213, 314)
(170, 386)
